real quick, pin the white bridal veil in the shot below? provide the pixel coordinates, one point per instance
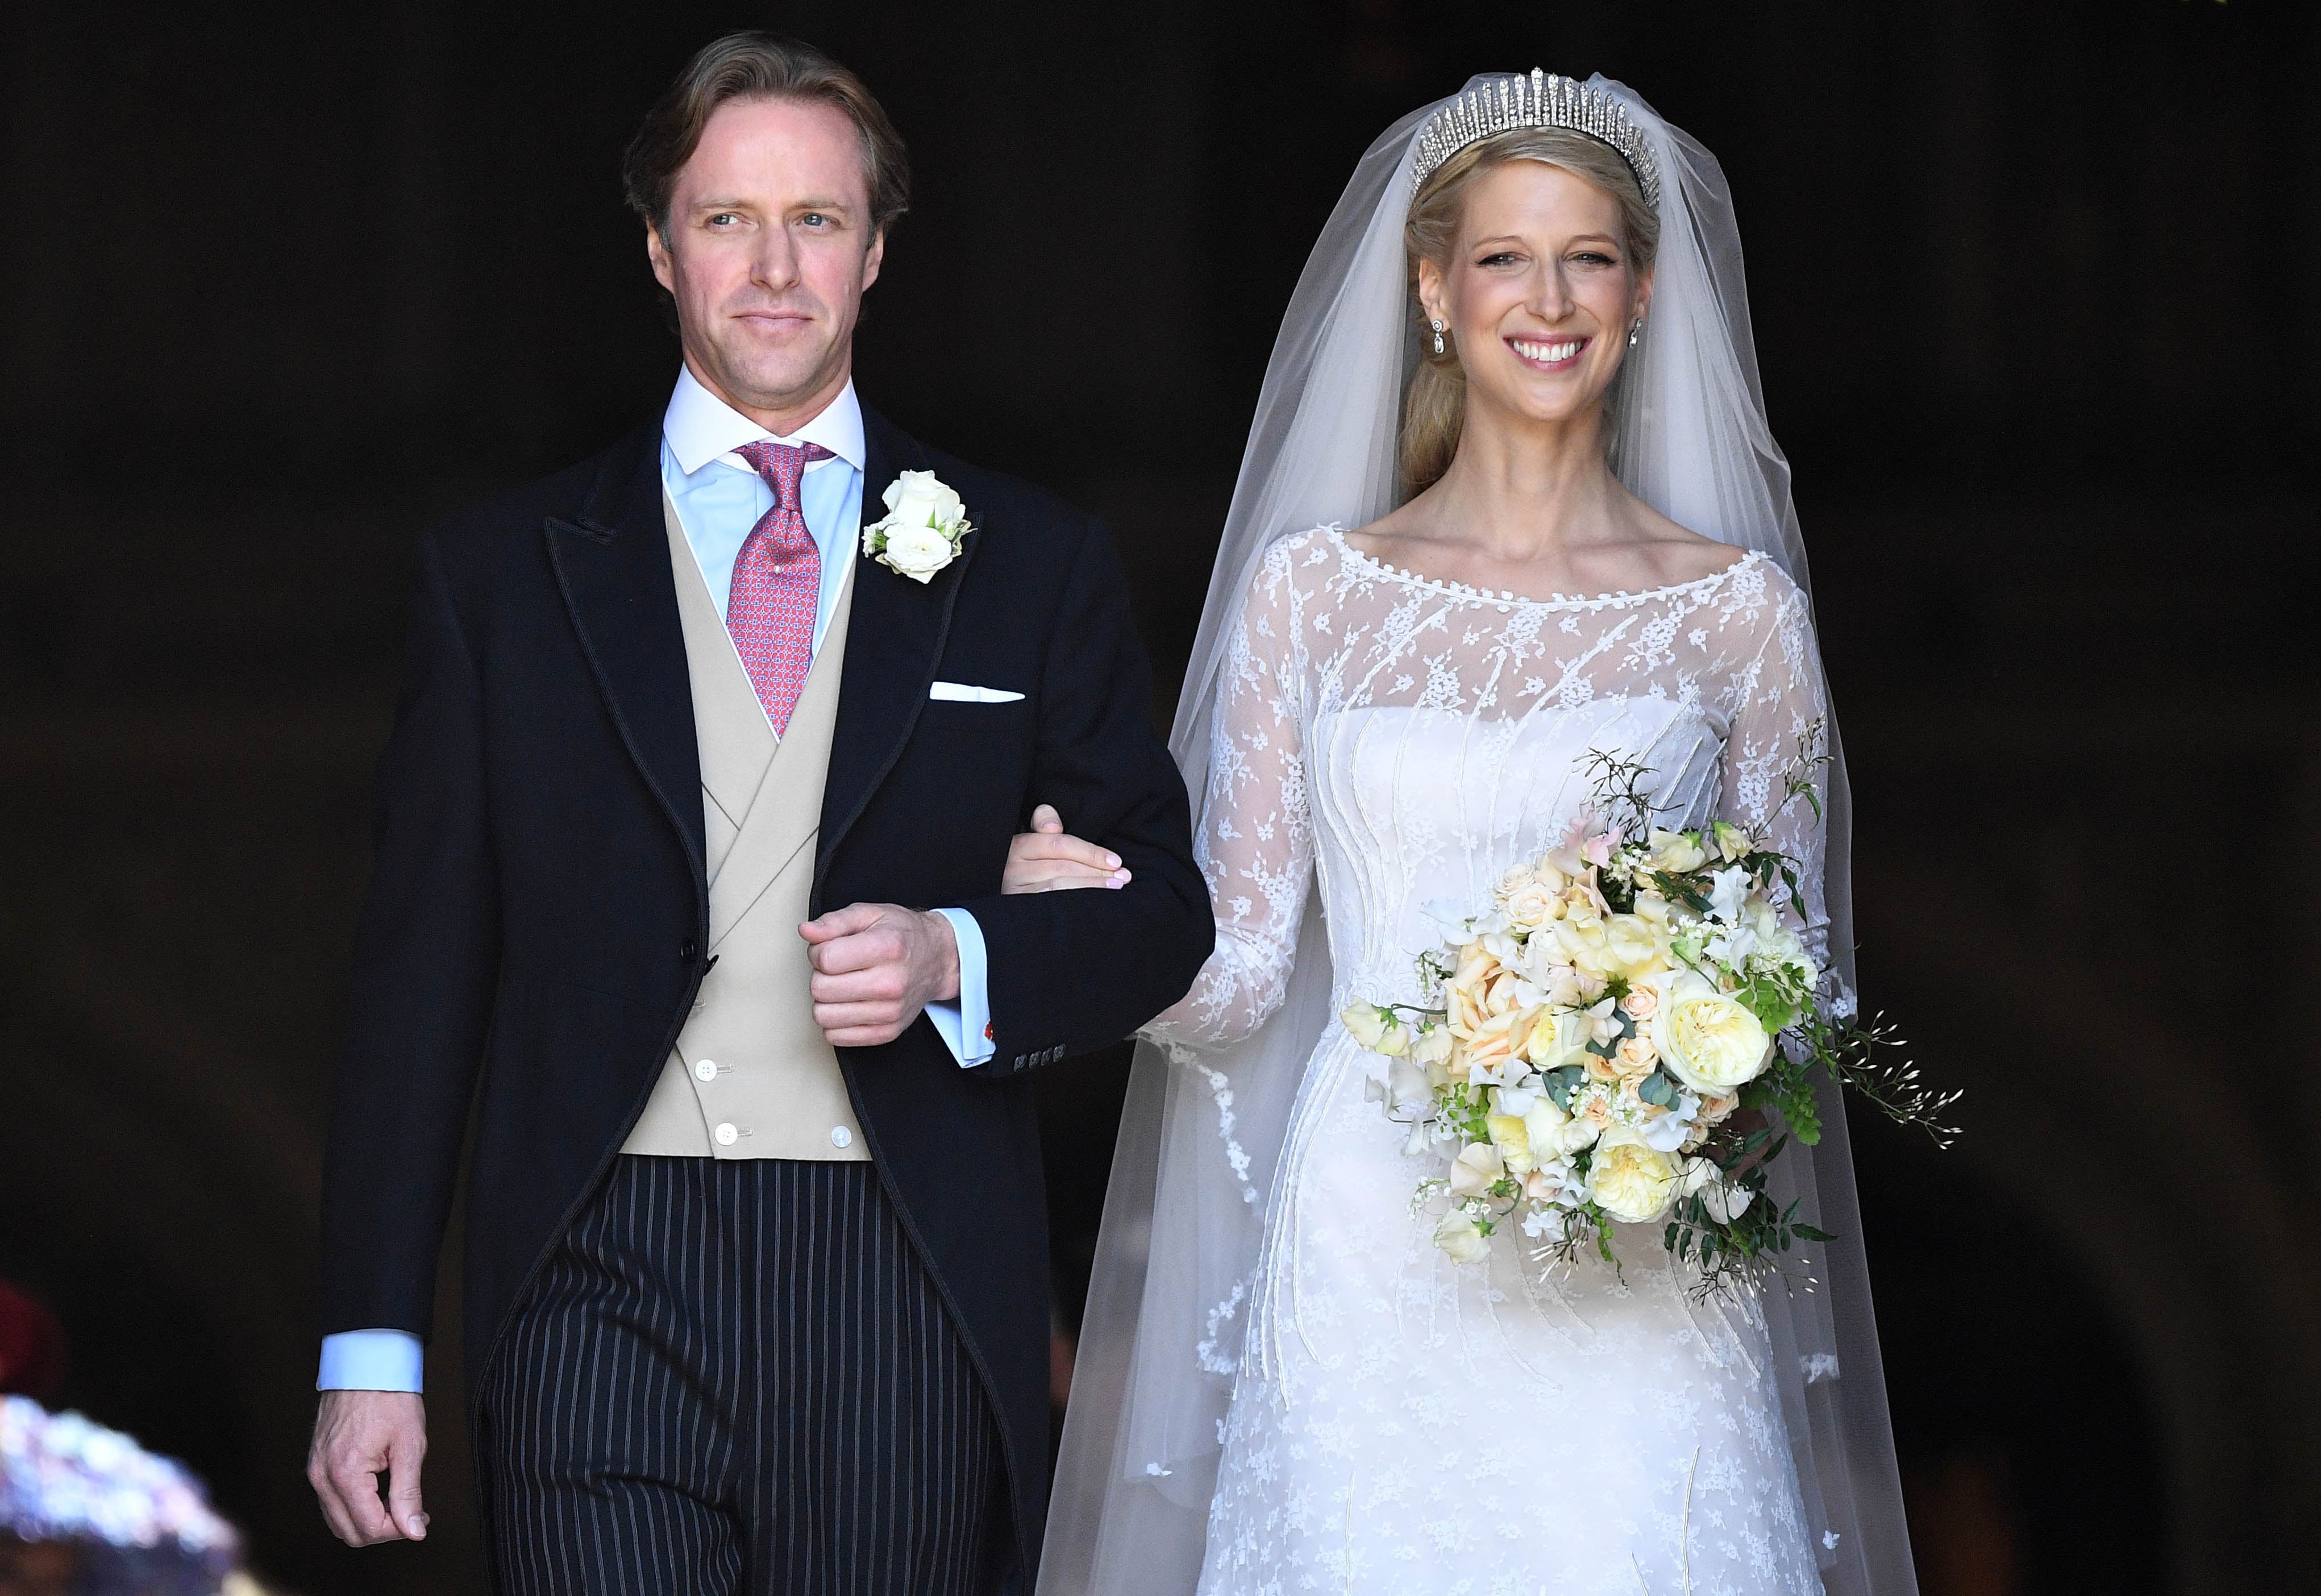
(1201, 1132)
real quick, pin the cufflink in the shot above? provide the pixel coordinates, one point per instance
(987, 1030)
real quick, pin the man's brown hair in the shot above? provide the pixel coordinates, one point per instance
(759, 67)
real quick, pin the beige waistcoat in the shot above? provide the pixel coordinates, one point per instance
(753, 1076)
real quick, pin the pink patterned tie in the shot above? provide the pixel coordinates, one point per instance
(777, 581)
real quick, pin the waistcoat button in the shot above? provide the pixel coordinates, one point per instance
(727, 1135)
(840, 1136)
(706, 1069)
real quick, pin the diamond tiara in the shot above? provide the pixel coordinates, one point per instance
(1539, 100)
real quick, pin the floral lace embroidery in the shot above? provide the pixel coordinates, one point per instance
(1401, 741)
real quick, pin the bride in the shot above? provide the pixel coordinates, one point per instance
(1509, 500)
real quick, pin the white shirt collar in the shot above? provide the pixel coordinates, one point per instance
(700, 427)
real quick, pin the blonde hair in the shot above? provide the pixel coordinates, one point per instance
(1435, 405)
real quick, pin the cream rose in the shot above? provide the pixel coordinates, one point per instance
(1635, 1057)
(1550, 1133)
(1633, 1184)
(1511, 1140)
(1632, 946)
(1642, 1003)
(1531, 905)
(1581, 941)
(1709, 1042)
(1555, 1041)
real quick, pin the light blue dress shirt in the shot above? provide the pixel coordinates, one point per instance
(719, 498)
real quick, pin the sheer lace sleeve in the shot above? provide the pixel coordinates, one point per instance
(1255, 839)
(1780, 713)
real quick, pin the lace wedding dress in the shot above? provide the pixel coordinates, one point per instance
(1399, 1422)
(1281, 1384)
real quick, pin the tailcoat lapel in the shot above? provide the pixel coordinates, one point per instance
(893, 645)
(612, 562)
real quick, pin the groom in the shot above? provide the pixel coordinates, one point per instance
(690, 840)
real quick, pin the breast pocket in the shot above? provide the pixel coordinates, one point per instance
(1000, 726)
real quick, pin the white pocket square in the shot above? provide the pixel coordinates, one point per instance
(958, 692)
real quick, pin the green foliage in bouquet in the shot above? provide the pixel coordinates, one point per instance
(1633, 1033)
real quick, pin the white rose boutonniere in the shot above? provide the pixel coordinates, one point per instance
(922, 528)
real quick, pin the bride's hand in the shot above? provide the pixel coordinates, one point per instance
(1748, 1122)
(1049, 859)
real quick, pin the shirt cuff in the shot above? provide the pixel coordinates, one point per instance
(371, 1360)
(965, 1026)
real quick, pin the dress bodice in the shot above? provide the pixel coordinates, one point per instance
(1405, 741)
(1418, 811)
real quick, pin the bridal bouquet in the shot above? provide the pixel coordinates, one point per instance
(1599, 1046)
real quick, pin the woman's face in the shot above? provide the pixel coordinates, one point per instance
(1539, 292)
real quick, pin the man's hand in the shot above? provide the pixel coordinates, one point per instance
(1046, 859)
(876, 965)
(358, 1436)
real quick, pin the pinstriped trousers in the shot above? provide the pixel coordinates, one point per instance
(737, 1377)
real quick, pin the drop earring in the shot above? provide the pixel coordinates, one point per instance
(1635, 332)
(1438, 337)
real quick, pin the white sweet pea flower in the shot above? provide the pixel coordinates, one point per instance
(1517, 1099)
(1461, 1237)
(1732, 945)
(1476, 1170)
(1665, 1133)
(1450, 919)
(1730, 893)
(1726, 1203)
(1774, 938)
(1408, 1086)
(1368, 1023)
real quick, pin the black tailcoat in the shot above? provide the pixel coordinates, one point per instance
(533, 936)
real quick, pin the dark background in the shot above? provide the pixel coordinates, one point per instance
(2034, 294)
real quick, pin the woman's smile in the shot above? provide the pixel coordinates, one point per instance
(1548, 355)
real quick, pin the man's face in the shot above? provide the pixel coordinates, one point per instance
(768, 249)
